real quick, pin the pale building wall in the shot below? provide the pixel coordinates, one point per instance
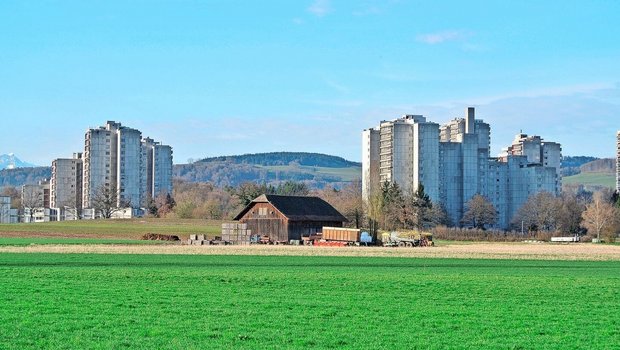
(5, 210)
(98, 164)
(451, 180)
(370, 163)
(162, 170)
(552, 158)
(426, 159)
(66, 182)
(129, 166)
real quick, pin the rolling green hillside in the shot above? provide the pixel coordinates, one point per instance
(316, 170)
(591, 180)
(593, 175)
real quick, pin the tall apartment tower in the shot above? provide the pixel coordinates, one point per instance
(99, 161)
(157, 174)
(404, 151)
(66, 182)
(618, 161)
(370, 162)
(117, 156)
(464, 150)
(129, 166)
(453, 163)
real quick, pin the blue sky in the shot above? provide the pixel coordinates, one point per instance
(227, 77)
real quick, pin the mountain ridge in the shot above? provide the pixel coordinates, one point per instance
(10, 161)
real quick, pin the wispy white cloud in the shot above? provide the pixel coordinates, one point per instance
(298, 21)
(443, 36)
(320, 8)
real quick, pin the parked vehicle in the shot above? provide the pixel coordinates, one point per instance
(407, 239)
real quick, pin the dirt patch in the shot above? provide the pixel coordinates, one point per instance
(469, 251)
(159, 237)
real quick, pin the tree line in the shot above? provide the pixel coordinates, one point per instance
(573, 213)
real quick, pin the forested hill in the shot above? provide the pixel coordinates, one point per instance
(315, 170)
(286, 158)
(22, 176)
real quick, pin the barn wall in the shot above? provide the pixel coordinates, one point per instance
(267, 221)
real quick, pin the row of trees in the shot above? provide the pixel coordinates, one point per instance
(570, 214)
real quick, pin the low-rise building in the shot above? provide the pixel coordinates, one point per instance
(286, 218)
(8, 215)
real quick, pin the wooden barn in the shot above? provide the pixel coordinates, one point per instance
(284, 218)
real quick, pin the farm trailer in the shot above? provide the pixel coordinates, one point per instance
(339, 236)
(393, 239)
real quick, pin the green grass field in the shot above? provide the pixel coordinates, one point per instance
(128, 229)
(592, 179)
(24, 241)
(67, 301)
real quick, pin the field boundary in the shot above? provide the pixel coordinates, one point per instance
(520, 251)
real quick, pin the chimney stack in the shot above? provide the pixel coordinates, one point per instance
(470, 123)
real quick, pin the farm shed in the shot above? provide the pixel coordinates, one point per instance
(285, 218)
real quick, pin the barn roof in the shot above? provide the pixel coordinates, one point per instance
(298, 208)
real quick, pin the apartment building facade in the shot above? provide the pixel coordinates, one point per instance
(453, 163)
(66, 182)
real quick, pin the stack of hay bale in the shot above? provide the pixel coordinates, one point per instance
(198, 240)
(236, 233)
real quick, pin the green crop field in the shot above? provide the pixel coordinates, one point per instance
(127, 229)
(23, 241)
(78, 301)
(592, 179)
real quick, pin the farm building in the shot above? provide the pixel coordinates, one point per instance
(285, 218)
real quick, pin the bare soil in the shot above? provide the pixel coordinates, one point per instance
(533, 251)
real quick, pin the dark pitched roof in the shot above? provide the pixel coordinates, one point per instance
(297, 208)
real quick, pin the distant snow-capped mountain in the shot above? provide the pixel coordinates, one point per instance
(10, 161)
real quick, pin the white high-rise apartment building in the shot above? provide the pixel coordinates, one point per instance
(66, 182)
(117, 156)
(157, 177)
(453, 163)
(404, 151)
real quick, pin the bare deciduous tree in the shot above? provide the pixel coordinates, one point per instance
(539, 213)
(106, 201)
(480, 212)
(600, 215)
(32, 197)
(569, 216)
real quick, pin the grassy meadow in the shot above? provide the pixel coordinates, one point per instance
(131, 229)
(71, 301)
(592, 179)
